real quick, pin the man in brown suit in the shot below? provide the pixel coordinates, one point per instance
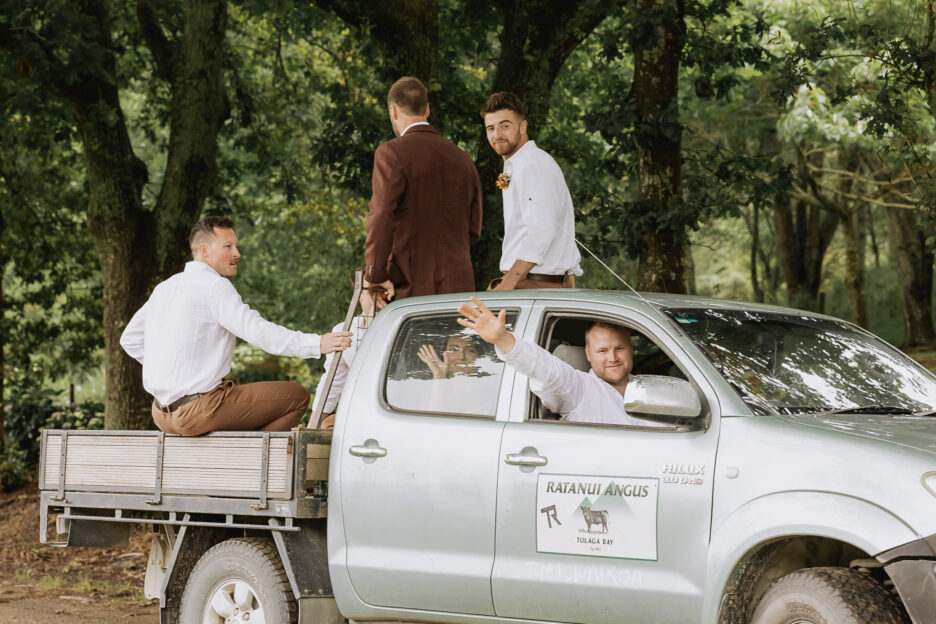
(425, 211)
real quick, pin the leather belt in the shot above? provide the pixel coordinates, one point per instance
(543, 277)
(168, 409)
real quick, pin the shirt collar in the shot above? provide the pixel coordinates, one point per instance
(591, 371)
(519, 156)
(198, 265)
(415, 123)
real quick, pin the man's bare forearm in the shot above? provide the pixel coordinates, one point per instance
(517, 272)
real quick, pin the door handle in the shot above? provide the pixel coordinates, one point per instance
(517, 459)
(368, 451)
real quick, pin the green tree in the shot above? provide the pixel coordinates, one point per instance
(75, 52)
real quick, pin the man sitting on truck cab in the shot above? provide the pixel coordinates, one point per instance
(595, 397)
(184, 338)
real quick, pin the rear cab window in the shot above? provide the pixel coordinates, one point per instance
(436, 366)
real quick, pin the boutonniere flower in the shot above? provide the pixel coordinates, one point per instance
(503, 181)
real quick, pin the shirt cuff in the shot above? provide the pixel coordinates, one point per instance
(531, 256)
(312, 346)
(375, 275)
(508, 357)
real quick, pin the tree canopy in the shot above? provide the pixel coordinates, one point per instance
(771, 151)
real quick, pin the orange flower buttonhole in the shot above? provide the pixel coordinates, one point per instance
(503, 181)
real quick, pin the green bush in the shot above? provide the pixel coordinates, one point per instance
(26, 414)
(25, 417)
(15, 470)
(87, 415)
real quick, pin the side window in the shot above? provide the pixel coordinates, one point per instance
(438, 366)
(564, 337)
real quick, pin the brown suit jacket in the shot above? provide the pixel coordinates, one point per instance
(425, 213)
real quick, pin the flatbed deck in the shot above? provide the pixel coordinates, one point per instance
(233, 479)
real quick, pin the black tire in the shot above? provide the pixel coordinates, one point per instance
(244, 574)
(828, 596)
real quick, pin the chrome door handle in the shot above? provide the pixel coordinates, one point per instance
(516, 459)
(368, 451)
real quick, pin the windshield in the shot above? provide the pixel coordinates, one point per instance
(787, 364)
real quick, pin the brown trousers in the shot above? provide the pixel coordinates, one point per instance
(261, 406)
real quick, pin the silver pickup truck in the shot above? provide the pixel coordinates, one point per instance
(786, 474)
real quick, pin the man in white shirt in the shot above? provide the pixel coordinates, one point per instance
(539, 248)
(184, 338)
(595, 397)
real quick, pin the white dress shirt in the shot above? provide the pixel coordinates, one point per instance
(577, 396)
(415, 123)
(184, 335)
(344, 364)
(539, 224)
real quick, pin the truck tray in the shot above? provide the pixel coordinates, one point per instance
(282, 474)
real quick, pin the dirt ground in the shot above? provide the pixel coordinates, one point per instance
(42, 584)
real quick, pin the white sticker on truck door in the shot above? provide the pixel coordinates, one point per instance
(597, 516)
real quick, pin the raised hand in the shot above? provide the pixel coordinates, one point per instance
(439, 367)
(492, 329)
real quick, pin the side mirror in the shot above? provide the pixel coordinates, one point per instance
(662, 396)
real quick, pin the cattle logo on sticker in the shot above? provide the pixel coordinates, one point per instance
(597, 516)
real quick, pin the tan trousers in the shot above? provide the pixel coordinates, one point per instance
(567, 282)
(261, 406)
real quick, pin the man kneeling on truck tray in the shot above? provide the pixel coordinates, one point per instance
(184, 338)
(595, 397)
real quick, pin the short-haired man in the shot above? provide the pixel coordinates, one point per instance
(184, 338)
(539, 225)
(595, 397)
(425, 211)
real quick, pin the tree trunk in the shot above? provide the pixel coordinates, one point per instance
(659, 153)
(199, 109)
(2, 332)
(137, 247)
(929, 50)
(752, 222)
(854, 236)
(915, 261)
(537, 38)
(407, 32)
(803, 237)
(123, 231)
(854, 267)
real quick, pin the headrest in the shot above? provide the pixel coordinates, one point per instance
(574, 356)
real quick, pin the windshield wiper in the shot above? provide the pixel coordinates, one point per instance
(868, 409)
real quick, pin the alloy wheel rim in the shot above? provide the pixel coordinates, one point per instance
(234, 601)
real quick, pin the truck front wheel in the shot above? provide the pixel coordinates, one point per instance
(828, 596)
(238, 581)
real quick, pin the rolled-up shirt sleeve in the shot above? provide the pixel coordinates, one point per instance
(246, 323)
(540, 212)
(560, 386)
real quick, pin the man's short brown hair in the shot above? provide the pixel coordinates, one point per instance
(606, 325)
(409, 95)
(204, 229)
(504, 101)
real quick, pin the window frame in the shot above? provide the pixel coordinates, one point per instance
(427, 315)
(549, 317)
